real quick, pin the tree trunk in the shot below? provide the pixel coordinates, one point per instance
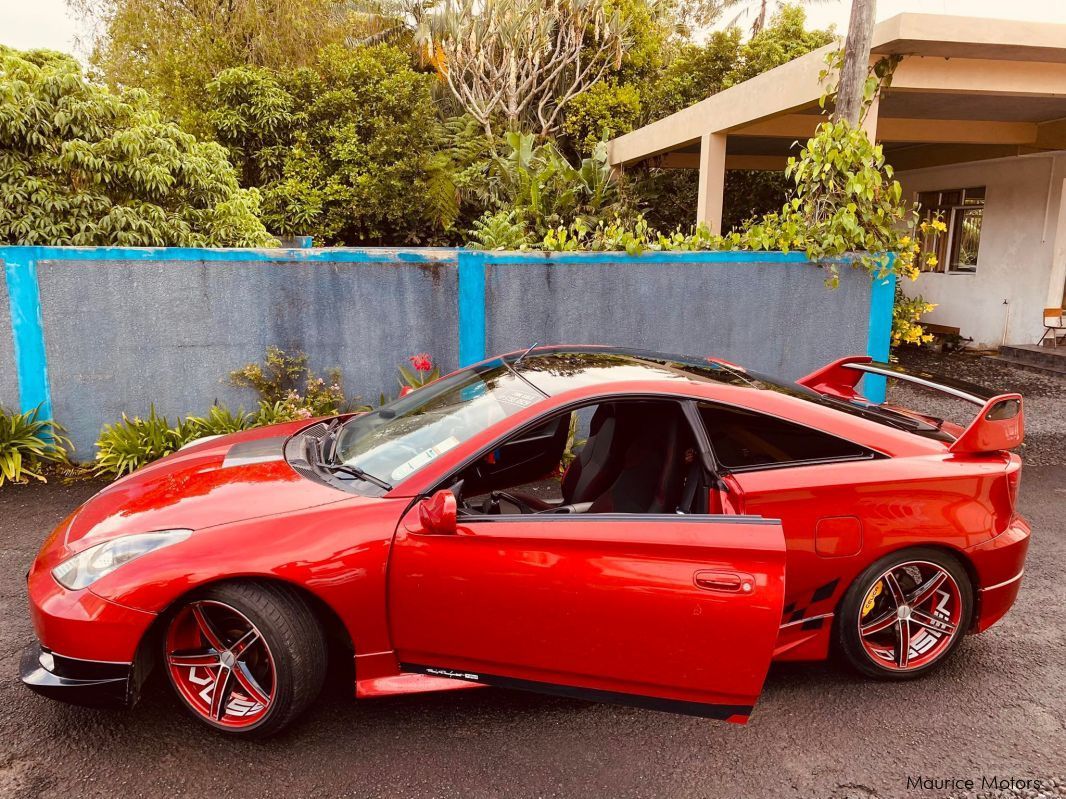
(856, 62)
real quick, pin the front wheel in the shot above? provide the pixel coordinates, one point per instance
(905, 614)
(245, 658)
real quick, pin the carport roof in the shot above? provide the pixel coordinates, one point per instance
(966, 89)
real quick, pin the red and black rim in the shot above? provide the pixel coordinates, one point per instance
(910, 616)
(221, 664)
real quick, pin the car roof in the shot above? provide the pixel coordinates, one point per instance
(562, 368)
(558, 369)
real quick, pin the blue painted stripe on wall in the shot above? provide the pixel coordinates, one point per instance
(428, 256)
(27, 328)
(879, 337)
(697, 257)
(472, 323)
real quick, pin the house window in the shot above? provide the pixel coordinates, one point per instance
(962, 211)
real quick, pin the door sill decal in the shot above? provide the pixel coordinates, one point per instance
(734, 713)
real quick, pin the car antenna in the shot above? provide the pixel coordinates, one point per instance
(518, 360)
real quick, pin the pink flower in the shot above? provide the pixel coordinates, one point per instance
(405, 390)
(422, 362)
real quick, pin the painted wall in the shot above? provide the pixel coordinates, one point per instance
(759, 315)
(1002, 301)
(100, 332)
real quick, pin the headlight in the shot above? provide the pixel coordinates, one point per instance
(87, 567)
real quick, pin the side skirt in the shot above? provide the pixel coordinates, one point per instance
(735, 713)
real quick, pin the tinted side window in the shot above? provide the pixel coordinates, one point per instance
(743, 438)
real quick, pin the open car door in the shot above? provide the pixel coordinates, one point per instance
(670, 612)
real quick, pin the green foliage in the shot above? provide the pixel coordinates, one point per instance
(128, 445)
(605, 111)
(27, 443)
(906, 311)
(846, 201)
(173, 48)
(499, 231)
(80, 165)
(346, 149)
(288, 389)
(784, 39)
(695, 73)
(272, 380)
(538, 189)
(220, 421)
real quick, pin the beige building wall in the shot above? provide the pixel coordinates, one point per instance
(1021, 263)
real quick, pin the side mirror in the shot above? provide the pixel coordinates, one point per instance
(438, 513)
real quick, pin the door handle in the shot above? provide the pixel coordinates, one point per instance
(727, 582)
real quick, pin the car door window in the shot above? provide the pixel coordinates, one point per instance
(611, 457)
(744, 439)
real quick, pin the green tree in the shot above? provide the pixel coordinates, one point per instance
(784, 39)
(345, 149)
(606, 110)
(173, 48)
(697, 72)
(82, 165)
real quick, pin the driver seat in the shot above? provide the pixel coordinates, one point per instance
(651, 473)
(597, 464)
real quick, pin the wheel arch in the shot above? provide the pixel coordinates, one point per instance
(341, 647)
(958, 554)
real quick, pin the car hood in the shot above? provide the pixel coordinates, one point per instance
(218, 481)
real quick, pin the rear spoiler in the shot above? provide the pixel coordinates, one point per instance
(999, 425)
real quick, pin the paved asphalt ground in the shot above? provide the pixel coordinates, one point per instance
(997, 709)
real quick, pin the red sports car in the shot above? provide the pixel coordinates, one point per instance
(610, 524)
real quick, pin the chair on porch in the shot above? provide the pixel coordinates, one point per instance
(1053, 325)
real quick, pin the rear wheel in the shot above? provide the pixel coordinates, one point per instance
(905, 614)
(245, 658)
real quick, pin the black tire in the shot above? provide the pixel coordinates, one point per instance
(849, 641)
(295, 644)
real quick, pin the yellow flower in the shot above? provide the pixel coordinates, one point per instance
(932, 260)
(904, 241)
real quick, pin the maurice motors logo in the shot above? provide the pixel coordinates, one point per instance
(984, 783)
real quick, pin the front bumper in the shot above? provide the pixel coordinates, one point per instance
(81, 682)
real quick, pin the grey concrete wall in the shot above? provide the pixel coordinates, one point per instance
(778, 318)
(120, 335)
(9, 387)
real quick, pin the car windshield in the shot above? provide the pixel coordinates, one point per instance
(404, 435)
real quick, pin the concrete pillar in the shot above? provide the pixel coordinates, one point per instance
(712, 181)
(1056, 290)
(869, 124)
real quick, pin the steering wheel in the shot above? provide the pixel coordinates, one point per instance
(492, 503)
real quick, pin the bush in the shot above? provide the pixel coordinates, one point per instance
(344, 149)
(286, 384)
(221, 421)
(606, 110)
(28, 443)
(536, 189)
(128, 445)
(81, 165)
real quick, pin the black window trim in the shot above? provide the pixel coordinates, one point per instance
(870, 454)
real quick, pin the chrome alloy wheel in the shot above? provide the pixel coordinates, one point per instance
(910, 616)
(220, 664)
